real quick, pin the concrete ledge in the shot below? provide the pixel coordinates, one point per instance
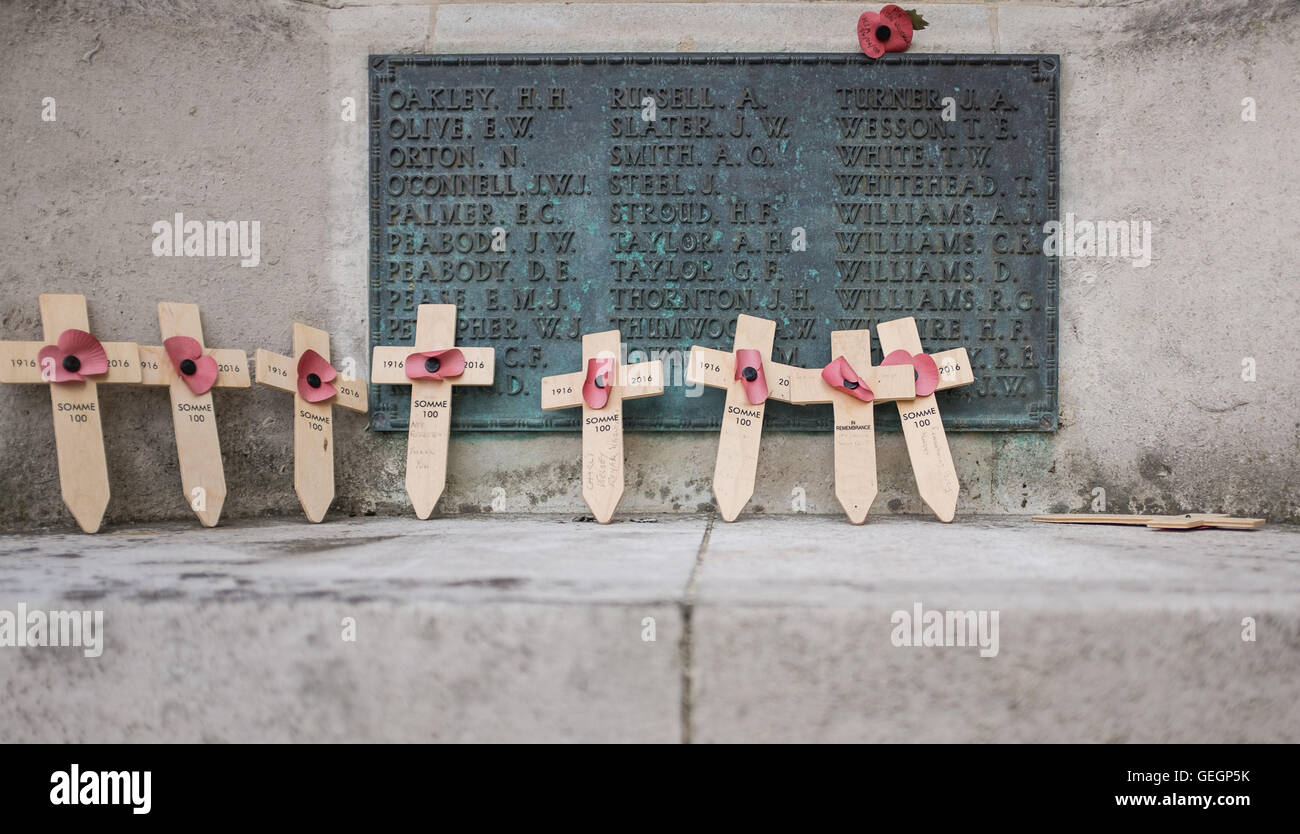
(534, 628)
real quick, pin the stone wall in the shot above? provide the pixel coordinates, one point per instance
(232, 110)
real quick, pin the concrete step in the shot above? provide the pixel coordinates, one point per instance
(539, 628)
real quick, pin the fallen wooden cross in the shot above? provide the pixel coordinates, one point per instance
(600, 388)
(853, 386)
(927, 445)
(73, 362)
(190, 371)
(315, 386)
(1187, 521)
(750, 377)
(432, 367)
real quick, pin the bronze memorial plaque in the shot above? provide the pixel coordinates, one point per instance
(662, 195)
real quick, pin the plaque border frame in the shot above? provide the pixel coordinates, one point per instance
(1040, 415)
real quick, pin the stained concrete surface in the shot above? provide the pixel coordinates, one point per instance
(535, 627)
(232, 110)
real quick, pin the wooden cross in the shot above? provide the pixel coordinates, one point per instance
(189, 370)
(600, 388)
(432, 368)
(750, 377)
(927, 445)
(854, 386)
(73, 363)
(315, 386)
(1187, 521)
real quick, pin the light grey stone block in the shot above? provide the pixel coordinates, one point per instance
(1105, 634)
(482, 630)
(531, 628)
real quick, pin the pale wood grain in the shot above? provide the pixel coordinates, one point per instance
(1187, 521)
(277, 371)
(194, 419)
(19, 362)
(123, 362)
(854, 420)
(429, 433)
(430, 422)
(480, 367)
(641, 379)
(232, 367)
(353, 393)
(313, 433)
(854, 431)
(710, 367)
(736, 468)
(602, 428)
(388, 365)
(781, 380)
(954, 368)
(562, 390)
(927, 444)
(83, 467)
(602, 434)
(155, 366)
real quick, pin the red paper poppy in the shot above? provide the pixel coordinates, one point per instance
(195, 368)
(927, 372)
(595, 391)
(77, 356)
(839, 374)
(435, 364)
(749, 370)
(888, 31)
(314, 377)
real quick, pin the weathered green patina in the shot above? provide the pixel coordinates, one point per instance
(662, 195)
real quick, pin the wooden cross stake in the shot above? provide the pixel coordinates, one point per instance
(854, 392)
(73, 363)
(432, 368)
(1187, 521)
(308, 373)
(189, 370)
(927, 445)
(750, 377)
(600, 388)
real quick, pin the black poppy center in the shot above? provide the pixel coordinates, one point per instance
(188, 367)
(850, 384)
(432, 364)
(313, 380)
(71, 364)
(749, 374)
(883, 33)
(600, 381)
(915, 374)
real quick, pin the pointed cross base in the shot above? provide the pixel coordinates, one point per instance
(854, 422)
(313, 422)
(739, 438)
(602, 424)
(194, 418)
(431, 389)
(927, 445)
